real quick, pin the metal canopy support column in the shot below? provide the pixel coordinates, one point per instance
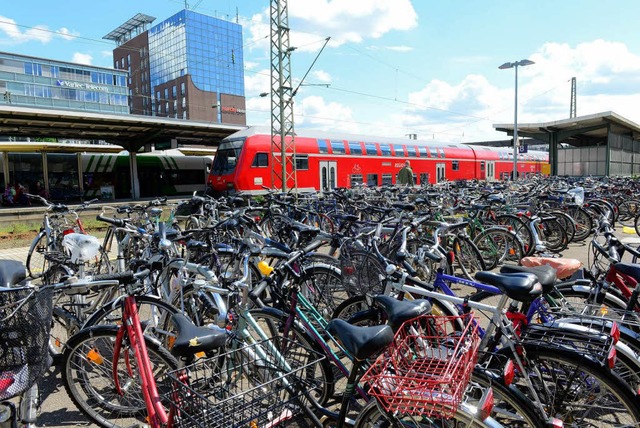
(135, 183)
(553, 153)
(283, 149)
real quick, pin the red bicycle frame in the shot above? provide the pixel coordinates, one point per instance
(132, 327)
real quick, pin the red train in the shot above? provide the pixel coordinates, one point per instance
(323, 161)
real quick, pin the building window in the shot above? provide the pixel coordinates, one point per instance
(129, 60)
(175, 105)
(183, 90)
(166, 93)
(260, 160)
(301, 162)
(184, 102)
(158, 95)
(455, 166)
(173, 91)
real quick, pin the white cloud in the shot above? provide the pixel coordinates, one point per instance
(399, 48)
(321, 76)
(12, 33)
(608, 79)
(81, 58)
(316, 112)
(257, 82)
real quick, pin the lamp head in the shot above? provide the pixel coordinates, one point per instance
(506, 65)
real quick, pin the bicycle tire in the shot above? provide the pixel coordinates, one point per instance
(467, 257)
(155, 315)
(511, 407)
(89, 381)
(521, 228)
(553, 235)
(319, 376)
(323, 287)
(498, 246)
(372, 416)
(562, 377)
(567, 223)
(36, 262)
(583, 222)
(628, 210)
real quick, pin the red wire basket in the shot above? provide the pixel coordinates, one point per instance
(427, 368)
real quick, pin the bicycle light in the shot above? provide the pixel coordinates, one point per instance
(486, 404)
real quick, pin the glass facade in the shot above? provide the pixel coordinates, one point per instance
(39, 82)
(207, 48)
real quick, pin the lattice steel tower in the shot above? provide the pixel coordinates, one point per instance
(283, 149)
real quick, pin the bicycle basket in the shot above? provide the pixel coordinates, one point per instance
(252, 386)
(427, 368)
(24, 339)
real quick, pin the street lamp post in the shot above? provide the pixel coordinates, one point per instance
(515, 65)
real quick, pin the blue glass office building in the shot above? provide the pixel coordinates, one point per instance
(189, 66)
(39, 82)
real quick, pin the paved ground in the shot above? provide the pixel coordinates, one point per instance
(57, 409)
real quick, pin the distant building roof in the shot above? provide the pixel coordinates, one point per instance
(131, 28)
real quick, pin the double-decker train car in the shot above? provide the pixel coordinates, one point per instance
(325, 161)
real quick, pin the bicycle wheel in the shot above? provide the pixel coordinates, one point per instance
(323, 287)
(553, 235)
(318, 377)
(573, 387)
(511, 407)
(88, 378)
(154, 313)
(467, 257)
(521, 228)
(361, 272)
(628, 210)
(372, 416)
(36, 262)
(498, 246)
(567, 223)
(583, 222)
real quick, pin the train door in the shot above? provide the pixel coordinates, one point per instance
(440, 172)
(491, 171)
(328, 173)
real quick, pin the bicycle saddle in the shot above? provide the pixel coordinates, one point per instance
(631, 269)
(361, 342)
(399, 311)
(518, 286)
(192, 339)
(545, 273)
(11, 272)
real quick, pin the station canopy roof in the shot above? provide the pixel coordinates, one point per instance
(128, 131)
(590, 127)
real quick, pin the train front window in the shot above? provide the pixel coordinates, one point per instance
(225, 161)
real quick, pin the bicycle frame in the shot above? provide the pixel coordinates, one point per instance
(131, 328)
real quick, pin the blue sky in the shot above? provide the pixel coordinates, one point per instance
(393, 67)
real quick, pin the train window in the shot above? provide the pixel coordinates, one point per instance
(371, 148)
(387, 179)
(481, 165)
(426, 152)
(399, 150)
(372, 180)
(455, 165)
(356, 180)
(385, 149)
(302, 162)
(323, 146)
(260, 160)
(338, 147)
(411, 151)
(355, 148)
(424, 177)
